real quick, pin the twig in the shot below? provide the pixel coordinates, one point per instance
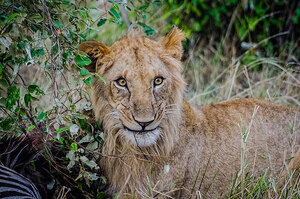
(54, 32)
(21, 78)
(64, 111)
(124, 15)
(233, 79)
(248, 79)
(46, 10)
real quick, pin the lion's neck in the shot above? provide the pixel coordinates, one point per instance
(189, 115)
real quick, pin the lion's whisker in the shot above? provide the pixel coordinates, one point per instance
(172, 110)
(115, 115)
(171, 105)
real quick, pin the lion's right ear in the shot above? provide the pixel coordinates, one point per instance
(172, 42)
(95, 51)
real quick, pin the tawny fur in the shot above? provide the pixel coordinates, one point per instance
(191, 139)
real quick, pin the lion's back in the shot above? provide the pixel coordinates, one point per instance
(257, 133)
(259, 125)
(253, 115)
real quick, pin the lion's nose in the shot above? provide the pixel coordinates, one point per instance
(144, 124)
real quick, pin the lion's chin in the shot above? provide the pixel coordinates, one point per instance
(142, 139)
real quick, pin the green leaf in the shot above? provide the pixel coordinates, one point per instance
(115, 21)
(157, 2)
(30, 128)
(27, 99)
(127, 7)
(6, 124)
(74, 147)
(34, 88)
(88, 81)
(83, 14)
(11, 17)
(83, 72)
(143, 7)
(40, 52)
(21, 44)
(62, 129)
(82, 60)
(58, 24)
(101, 22)
(12, 97)
(41, 116)
(297, 16)
(148, 29)
(252, 23)
(242, 30)
(82, 37)
(100, 78)
(66, 2)
(36, 17)
(114, 13)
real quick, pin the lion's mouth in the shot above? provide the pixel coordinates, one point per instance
(140, 131)
(142, 138)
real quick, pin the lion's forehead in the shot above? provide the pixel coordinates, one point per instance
(137, 55)
(132, 65)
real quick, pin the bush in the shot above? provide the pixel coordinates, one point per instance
(247, 24)
(44, 83)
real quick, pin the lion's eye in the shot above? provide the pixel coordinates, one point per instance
(121, 82)
(158, 81)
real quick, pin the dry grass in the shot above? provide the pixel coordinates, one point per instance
(215, 75)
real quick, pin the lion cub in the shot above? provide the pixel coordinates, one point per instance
(157, 145)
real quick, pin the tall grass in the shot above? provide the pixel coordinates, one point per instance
(212, 80)
(215, 75)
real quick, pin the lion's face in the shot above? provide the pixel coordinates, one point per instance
(140, 87)
(143, 88)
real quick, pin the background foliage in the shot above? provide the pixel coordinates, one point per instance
(234, 48)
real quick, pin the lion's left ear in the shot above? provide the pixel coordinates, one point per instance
(95, 50)
(172, 42)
